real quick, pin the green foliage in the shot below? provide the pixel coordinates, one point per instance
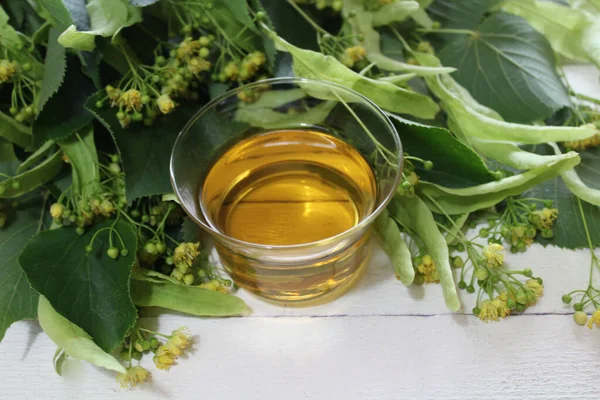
(90, 289)
(454, 163)
(465, 14)
(17, 299)
(310, 64)
(188, 299)
(81, 151)
(395, 247)
(571, 32)
(414, 215)
(56, 67)
(27, 181)
(464, 200)
(145, 151)
(476, 120)
(107, 18)
(14, 132)
(72, 339)
(64, 113)
(508, 66)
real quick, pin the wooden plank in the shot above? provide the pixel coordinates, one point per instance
(360, 357)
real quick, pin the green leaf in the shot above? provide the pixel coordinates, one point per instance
(464, 200)
(14, 132)
(508, 66)
(72, 339)
(145, 151)
(571, 32)
(394, 12)
(8, 35)
(454, 163)
(236, 27)
(55, 67)
(464, 14)
(190, 231)
(395, 247)
(81, 151)
(17, 299)
(568, 228)
(300, 33)
(57, 13)
(476, 120)
(107, 18)
(31, 179)
(314, 65)
(64, 113)
(413, 214)
(188, 299)
(90, 289)
(363, 24)
(10, 39)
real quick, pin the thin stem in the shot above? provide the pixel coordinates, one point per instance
(307, 18)
(451, 31)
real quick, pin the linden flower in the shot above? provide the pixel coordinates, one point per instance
(488, 311)
(113, 94)
(547, 216)
(133, 377)
(595, 319)
(197, 65)
(163, 359)
(494, 254)
(187, 48)
(165, 104)
(583, 144)
(231, 70)
(501, 307)
(131, 100)
(427, 268)
(535, 287)
(186, 253)
(356, 53)
(180, 338)
(7, 70)
(56, 210)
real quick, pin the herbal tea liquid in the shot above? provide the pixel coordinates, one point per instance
(289, 187)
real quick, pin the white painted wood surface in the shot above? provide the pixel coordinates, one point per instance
(380, 341)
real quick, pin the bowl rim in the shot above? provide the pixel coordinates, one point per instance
(365, 222)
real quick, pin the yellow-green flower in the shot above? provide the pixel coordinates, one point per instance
(595, 319)
(501, 307)
(163, 359)
(134, 376)
(56, 210)
(494, 254)
(165, 103)
(428, 270)
(535, 287)
(186, 253)
(488, 311)
(7, 70)
(131, 100)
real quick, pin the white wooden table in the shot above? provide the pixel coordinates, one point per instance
(379, 341)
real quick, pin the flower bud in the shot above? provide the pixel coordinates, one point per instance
(580, 317)
(56, 210)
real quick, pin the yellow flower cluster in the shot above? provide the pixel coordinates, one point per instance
(215, 285)
(186, 253)
(134, 376)
(245, 69)
(427, 268)
(493, 310)
(579, 145)
(131, 100)
(7, 70)
(167, 354)
(494, 255)
(545, 218)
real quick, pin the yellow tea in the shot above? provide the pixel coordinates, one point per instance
(288, 187)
